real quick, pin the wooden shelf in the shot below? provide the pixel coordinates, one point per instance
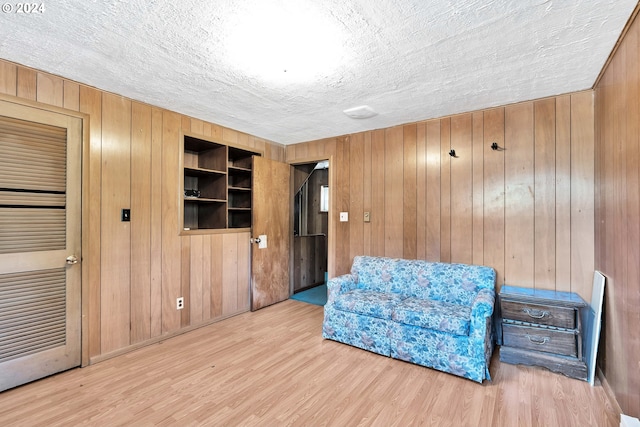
(239, 169)
(202, 172)
(204, 200)
(221, 175)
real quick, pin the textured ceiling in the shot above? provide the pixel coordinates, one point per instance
(410, 60)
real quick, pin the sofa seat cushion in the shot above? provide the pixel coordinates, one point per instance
(436, 315)
(368, 303)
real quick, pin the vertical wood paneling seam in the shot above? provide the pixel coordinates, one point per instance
(449, 162)
(484, 141)
(131, 240)
(100, 217)
(555, 189)
(367, 197)
(473, 183)
(94, 223)
(162, 214)
(150, 180)
(473, 230)
(131, 283)
(15, 86)
(570, 186)
(449, 187)
(156, 222)
(504, 195)
(533, 171)
(555, 197)
(63, 81)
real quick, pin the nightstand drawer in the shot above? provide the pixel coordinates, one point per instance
(560, 317)
(540, 339)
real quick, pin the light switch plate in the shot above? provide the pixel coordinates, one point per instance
(367, 217)
(344, 216)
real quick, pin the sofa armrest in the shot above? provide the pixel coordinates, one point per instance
(482, 305)
(339, 285)
(480, 331)
(481, 309)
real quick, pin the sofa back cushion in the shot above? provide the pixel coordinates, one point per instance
(452, 283)
(374, 273)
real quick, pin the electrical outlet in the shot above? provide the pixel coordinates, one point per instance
(180, 303)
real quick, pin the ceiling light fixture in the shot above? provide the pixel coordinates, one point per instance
(361, 112)
(284, 42)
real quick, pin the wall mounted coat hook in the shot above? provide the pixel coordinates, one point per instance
(452, 153)
(496, 147)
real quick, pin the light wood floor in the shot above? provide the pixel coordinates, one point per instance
(272, 368)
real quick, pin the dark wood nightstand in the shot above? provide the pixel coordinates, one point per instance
(542, 328)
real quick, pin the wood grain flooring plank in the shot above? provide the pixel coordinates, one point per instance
(224, 374)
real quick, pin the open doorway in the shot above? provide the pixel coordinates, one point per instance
(310, 228)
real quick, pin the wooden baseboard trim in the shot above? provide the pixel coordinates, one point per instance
(106, 356)
(608, 390)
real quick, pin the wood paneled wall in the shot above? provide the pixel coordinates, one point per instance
(136, 270)
(617, 243)
(526, 209)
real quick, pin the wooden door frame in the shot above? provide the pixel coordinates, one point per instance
(331, 250)
(84, 182)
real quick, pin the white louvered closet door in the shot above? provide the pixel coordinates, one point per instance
(40, 214)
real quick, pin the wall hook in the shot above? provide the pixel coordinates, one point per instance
(496, 147)
(452, 153)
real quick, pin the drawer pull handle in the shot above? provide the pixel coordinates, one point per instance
(535, 313)
(537, 339)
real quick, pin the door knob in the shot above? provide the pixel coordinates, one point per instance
(72, 259)
(255, 240)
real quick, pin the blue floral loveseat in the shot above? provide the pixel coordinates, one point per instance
(433, 314)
